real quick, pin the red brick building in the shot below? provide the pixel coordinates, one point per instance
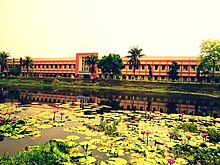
(77, 67)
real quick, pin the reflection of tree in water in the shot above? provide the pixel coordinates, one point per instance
(13, 95)
(171, 108)
(2, 97)
(26, 99)
(111, 102)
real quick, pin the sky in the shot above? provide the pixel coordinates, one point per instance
(62, 28)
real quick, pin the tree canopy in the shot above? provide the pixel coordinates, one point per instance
(173, 73)
(28, 63)
(111, 64)
(91, 62)
(209, 56)
(3, 60)
(134, 54)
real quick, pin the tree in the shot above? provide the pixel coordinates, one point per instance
(209, 56)
(28, 63)
(21, 63)
(3, 60)
(91, 62)
(134, 54)
(173, 74)
(14, 70)
(111, 65)
(150, 76)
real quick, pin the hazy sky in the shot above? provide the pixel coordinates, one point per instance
(60, 28)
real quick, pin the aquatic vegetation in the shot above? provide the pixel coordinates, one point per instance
(113, 137)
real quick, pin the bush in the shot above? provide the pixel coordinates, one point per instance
(214, 135)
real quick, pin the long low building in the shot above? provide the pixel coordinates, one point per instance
(77, 67)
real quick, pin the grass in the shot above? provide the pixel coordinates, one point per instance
(121, 85)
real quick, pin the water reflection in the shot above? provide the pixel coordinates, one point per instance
(188, 104)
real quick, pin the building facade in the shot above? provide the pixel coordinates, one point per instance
(77, 67)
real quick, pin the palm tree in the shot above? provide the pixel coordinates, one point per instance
(134, 54)
(91, 61)
(3, 60)
(28, 63)
(173, 73)
(21, 63)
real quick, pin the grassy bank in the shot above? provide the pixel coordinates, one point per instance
(122, 85)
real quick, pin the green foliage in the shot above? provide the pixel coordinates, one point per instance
(28, 63)
(150, 73)
(91, 62)
(134, 54)
(50, 153)
(173, 73)
(209, 57)
(3, 60)
(111, 64)
(214, 135)
(200, 154)
(189, 126)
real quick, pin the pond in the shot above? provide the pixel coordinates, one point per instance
(78, 115)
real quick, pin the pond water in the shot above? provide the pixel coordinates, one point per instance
(40, 103)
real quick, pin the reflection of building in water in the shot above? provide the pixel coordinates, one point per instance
(161, 104)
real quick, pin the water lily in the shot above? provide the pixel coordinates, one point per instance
(215, 121)
(13, 119)
(151, 116)
(1, 120)
(188, 137)
(54, 116)
(171, 161)
(147, 133)
(171, 134)
(61, 115)
(143, 132)
(9, 113)
(204, 135)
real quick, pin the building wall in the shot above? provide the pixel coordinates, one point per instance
(70, 67)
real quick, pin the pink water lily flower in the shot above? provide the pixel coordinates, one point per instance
(147, 132)
(171, 161)
(171, 133)
(188, 137)
(204, 135)
(61, 114)
(13, 119)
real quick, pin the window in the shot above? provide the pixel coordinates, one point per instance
(64, 66)
(155, 77)
(130, 67)
(162, 77)
(42, 66)
(51, 66)
(69, 66)
(217, 69)
(184, 79)
(185, 67)
(38, 66)
(193, 79)
(193, 67)
(156, 67)
(163, 67)
(143, 67)
(47, 66)
(60, 66)
(56, 66)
